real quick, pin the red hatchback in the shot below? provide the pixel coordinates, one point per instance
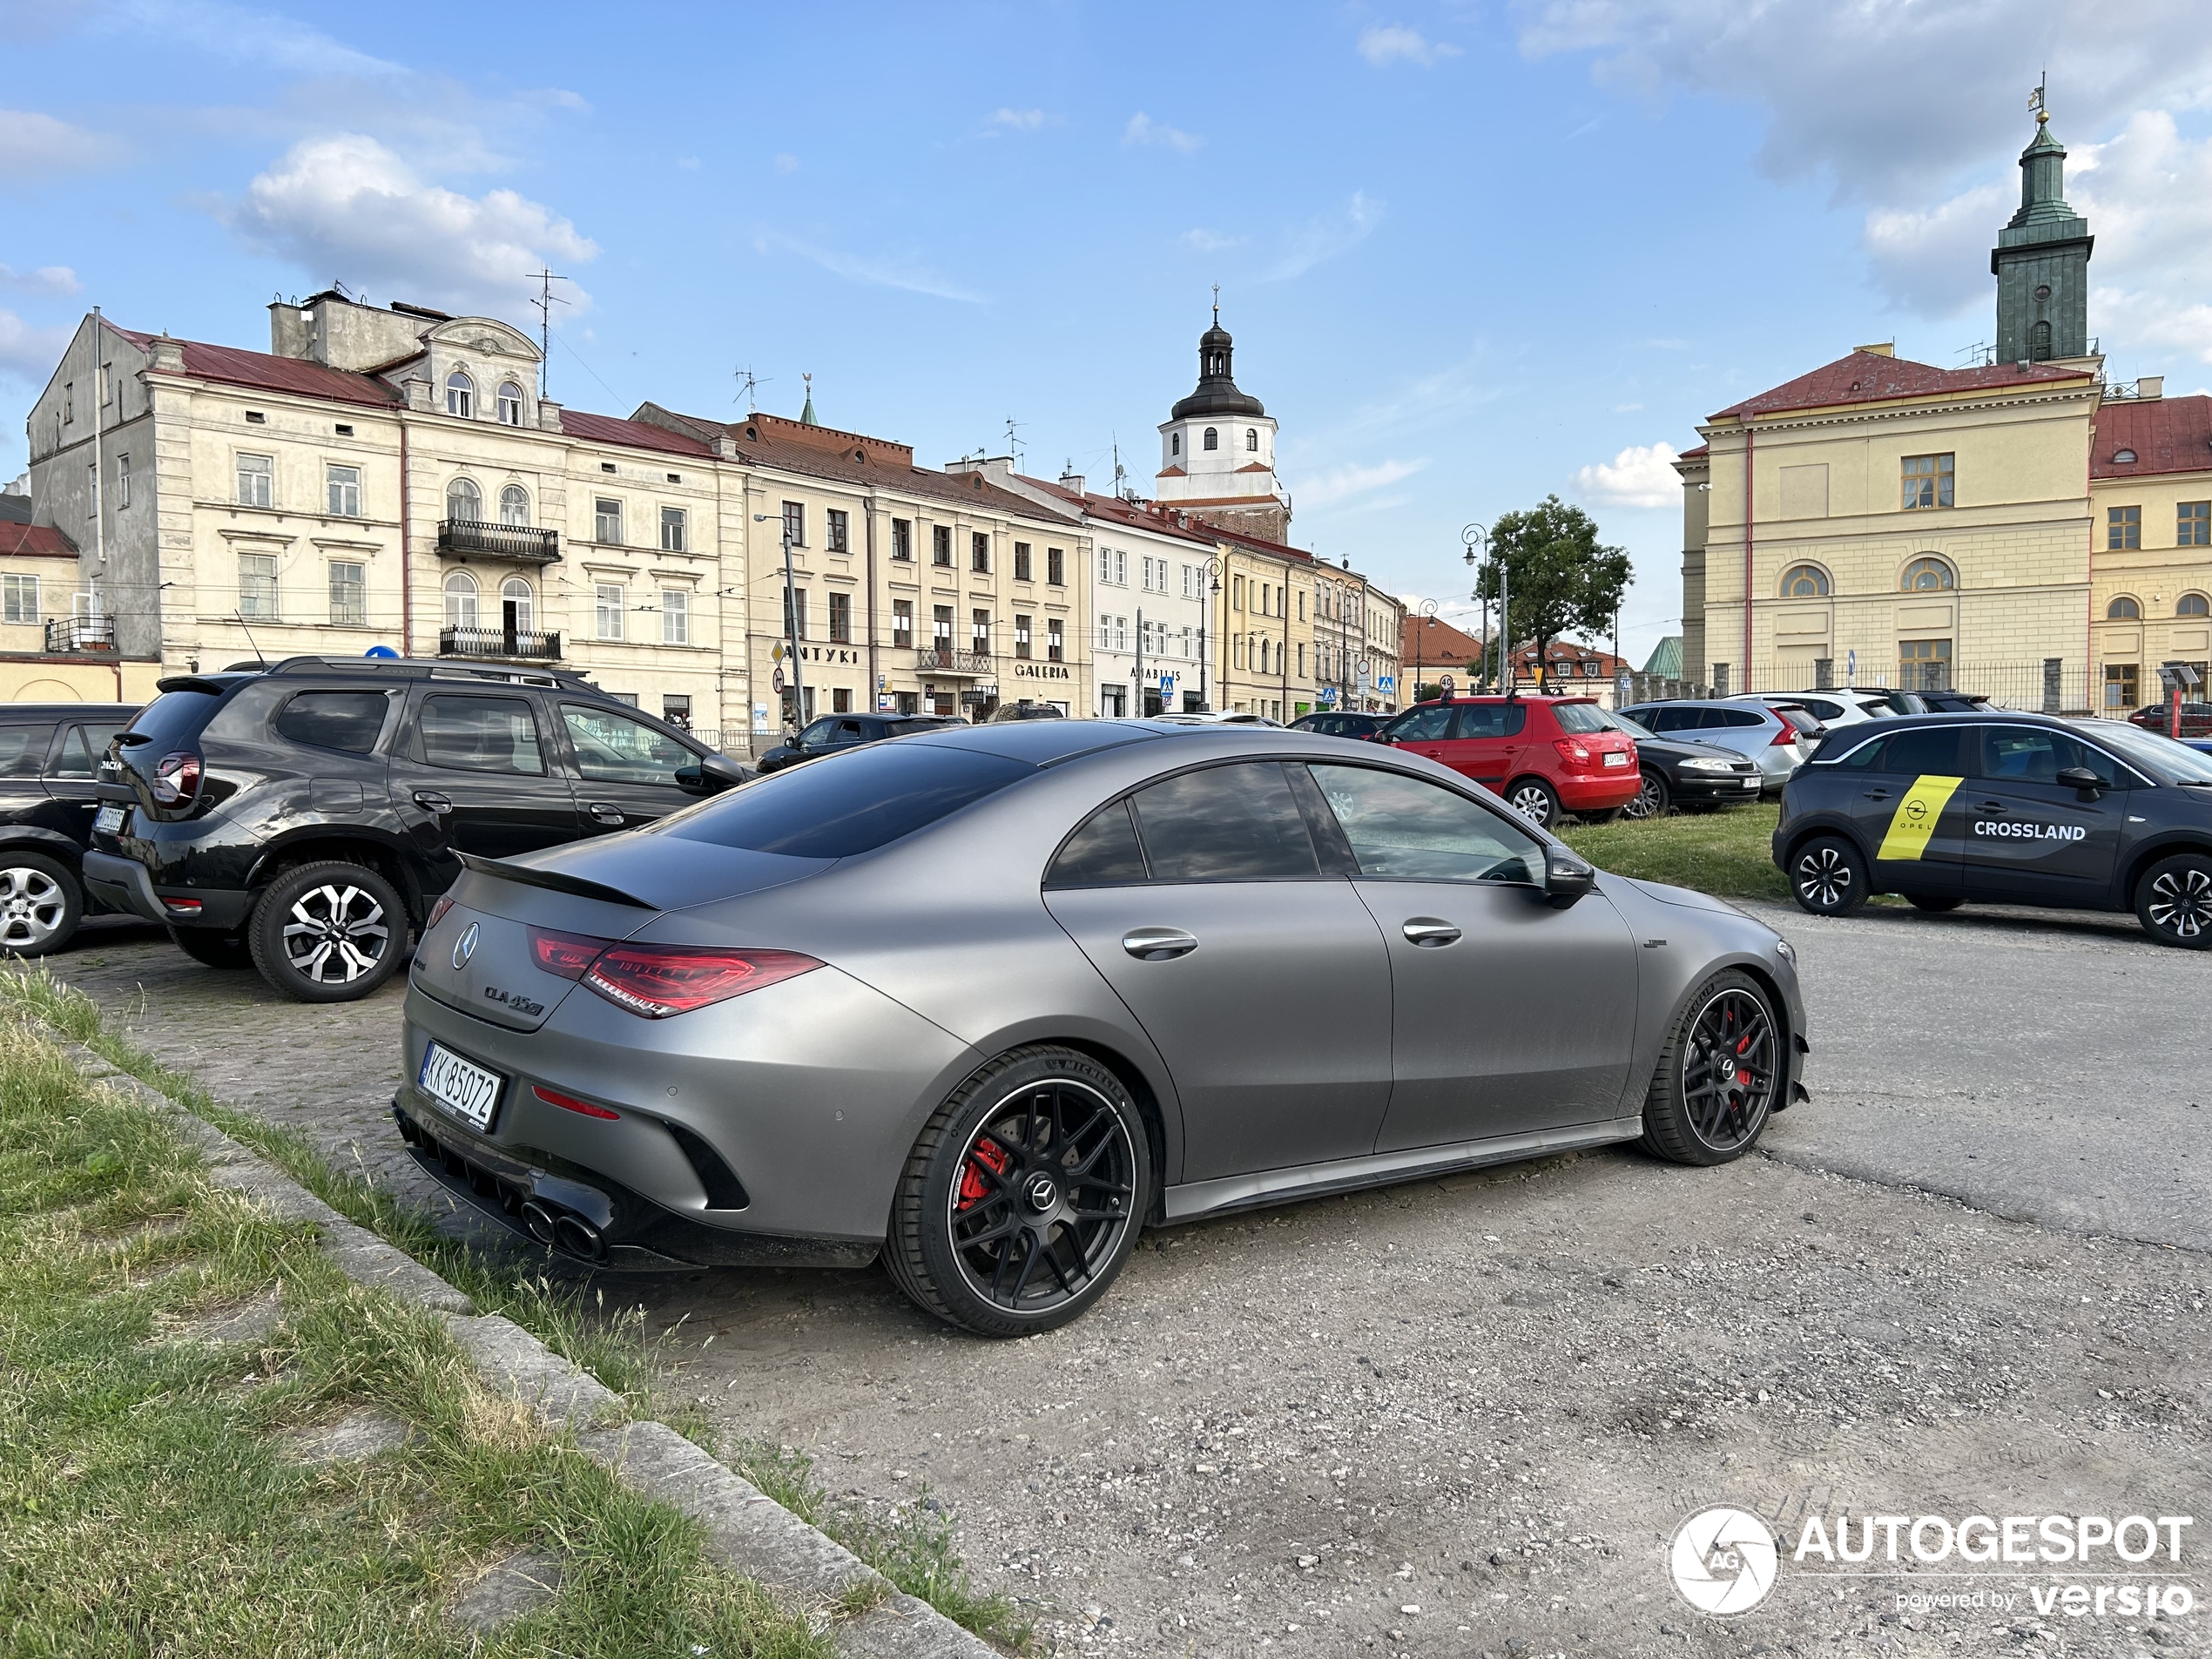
(1546, 756)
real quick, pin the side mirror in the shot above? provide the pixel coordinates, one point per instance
(2082, 778)
(1566, 878)
(710, 774)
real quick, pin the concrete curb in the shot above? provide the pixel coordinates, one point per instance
(747, 1532)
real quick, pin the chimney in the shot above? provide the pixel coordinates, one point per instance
(1072, 482)
(2150, 386)
(1880, 348)
(549, 414)
(725, 447)
(168, 355)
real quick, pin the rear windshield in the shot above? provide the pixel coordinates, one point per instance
(851, 803)
(1578, 717)
(171, 722)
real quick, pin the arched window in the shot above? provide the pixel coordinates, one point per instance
(1928, 576)
(515, 506)
(2123, 610)
(2039, 342)
(461, 394)
(2193, 604)
(1804, 582)
(517, 607)
(511, 403)
(1251, 439)
(2123, 458)
(1174, 443)
(1213, 439)
(464, 502)
(461, 600)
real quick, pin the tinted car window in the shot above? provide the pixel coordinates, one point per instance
(2027, 754)
(171, 720)
(81, 749)
(1490, 719)
(1423, 724)
(1930, 749)
(1578, 717)
(851, 803)
(817, 734)
(1237, 823)
(22, 750)
(1670, 720)
(1413, 829)
(348, 720)
(612, 748)
(1821, 707)
(481, 734)
(1102, 853)
(1730, 716)
(903, 728)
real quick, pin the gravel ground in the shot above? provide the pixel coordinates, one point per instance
(1467, 1416)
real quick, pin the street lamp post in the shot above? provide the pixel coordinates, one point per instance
(1420, 643)
(791, 625)
(1213, 586)
(1474, 537)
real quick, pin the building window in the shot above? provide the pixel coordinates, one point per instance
(1927, 575)
(840, 619)
(979, 632)
(902, 624)
(672, 528)
(941, 544)
(1021, 637)
(606, 609)
(1923, 664)
(902, 540)
(122, 481)
(979, 552)
(511, 403)
(461, 600)
(518, 608)
(1021, 562)
(2193, 604)
(941, 627)
(257, 585)
(2192, 524)
(2123, 681)
(255, 417)
(795, 523)
(1055, 641)
(1804, 582)
(1252, 440)
(2123, 526)
(515, 506)
(464, 502)
(676, 710)
(1213, 439)
(1174, 443)
(2123, 610)
(342, 486)
(2039, 342)
(256, 481)
(2123, 458)
(19, 598)
(348, 594)
(1056, 568)
(675, 617)
(606, 523)
(1121, 633)
(1236, 593)
(839, 531)
(795, 614)
(461, 394)
(1928, 481)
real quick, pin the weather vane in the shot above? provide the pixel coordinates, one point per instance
(1216, 305)
(2037, 102)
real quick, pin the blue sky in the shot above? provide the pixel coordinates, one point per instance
(1471, 253)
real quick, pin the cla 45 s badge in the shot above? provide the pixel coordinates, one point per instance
(521, 1005)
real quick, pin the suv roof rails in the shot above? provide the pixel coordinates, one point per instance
(418, 668)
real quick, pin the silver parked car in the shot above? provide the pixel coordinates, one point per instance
(985, 1002)
(1747, 725)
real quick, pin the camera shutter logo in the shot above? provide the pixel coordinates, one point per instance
(1723, 1561)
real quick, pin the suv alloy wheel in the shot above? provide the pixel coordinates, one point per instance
(330, 932)
(40, 906)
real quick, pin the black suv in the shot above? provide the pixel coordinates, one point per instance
(48, 751)
(303, 818)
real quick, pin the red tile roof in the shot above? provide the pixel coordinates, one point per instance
(232, 366)
(1427, 643)
(35, 541)
(1260, 544)
(1698, 453)
(608, 429)
(2166, 434)
(1869, 377)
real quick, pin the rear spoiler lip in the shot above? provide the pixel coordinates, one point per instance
(526, 876)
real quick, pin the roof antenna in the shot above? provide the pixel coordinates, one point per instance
(1120, 474)
(545, 302)
(752, 383)
(1012, 444)
(239, 616)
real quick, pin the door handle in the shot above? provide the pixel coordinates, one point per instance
(1157, 944)
(1994, 807)
(1878, 794)
(1430, 934)
(604, 812)
(431, 801)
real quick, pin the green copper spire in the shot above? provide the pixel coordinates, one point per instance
(2042, 260)
(806, 414)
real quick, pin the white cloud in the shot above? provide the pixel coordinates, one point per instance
(1340, 483)
(1205, 241)
(35, 146)
(787, 163)
(1020, 120)
(1388, 44)
(29, 354)
(1641, 476)
(689, 164)
(47, 278)
(1327, 235)
(1143, 130)
(347, 207)
(259, 40)
(1935, 259)
(906, 273)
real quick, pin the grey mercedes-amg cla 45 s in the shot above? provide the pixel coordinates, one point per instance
(985, 1001)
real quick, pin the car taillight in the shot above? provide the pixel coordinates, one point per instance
(1576, 754)
(437, 914)
(658, 981)
(176, 777)
(1784, 737)
(564, 955)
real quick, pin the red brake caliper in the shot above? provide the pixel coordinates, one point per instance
(974, 1189)
(1742, 1076)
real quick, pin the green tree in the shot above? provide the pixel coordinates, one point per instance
(1563, 579)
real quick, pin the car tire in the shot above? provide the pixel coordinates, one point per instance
(328, 932)
(2173, 902)
(1934, 904)
(1828, 876)
(1695, 1111)
(40, 904)
(1536, 800)
(211, 948)
(989, 1176)
(1652, 797)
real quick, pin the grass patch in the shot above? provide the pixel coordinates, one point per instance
(1729, 852)
(148, 1503)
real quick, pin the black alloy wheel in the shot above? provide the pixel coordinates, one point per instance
(1719, 1076)
(332, 932)
(1534, 800)
(2173, 902)
(1828, 876)
(1024, 1196)
(1653, 798)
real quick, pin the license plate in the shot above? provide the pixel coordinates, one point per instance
(1751, 783)
(1617, 760)
(463, 1087)
(109, 819)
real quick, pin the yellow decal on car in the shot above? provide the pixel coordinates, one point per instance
(1915, 818)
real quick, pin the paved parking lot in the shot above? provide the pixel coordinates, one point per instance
(1465, 1416)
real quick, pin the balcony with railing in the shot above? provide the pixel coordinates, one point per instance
(505, 644)
(71, 634)
(965, 664)
(517, 543)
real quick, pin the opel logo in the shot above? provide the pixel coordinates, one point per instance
(1042, 1193)
(465, 947)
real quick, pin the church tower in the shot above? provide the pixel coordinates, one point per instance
(2041, 262)
(1217, 449)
